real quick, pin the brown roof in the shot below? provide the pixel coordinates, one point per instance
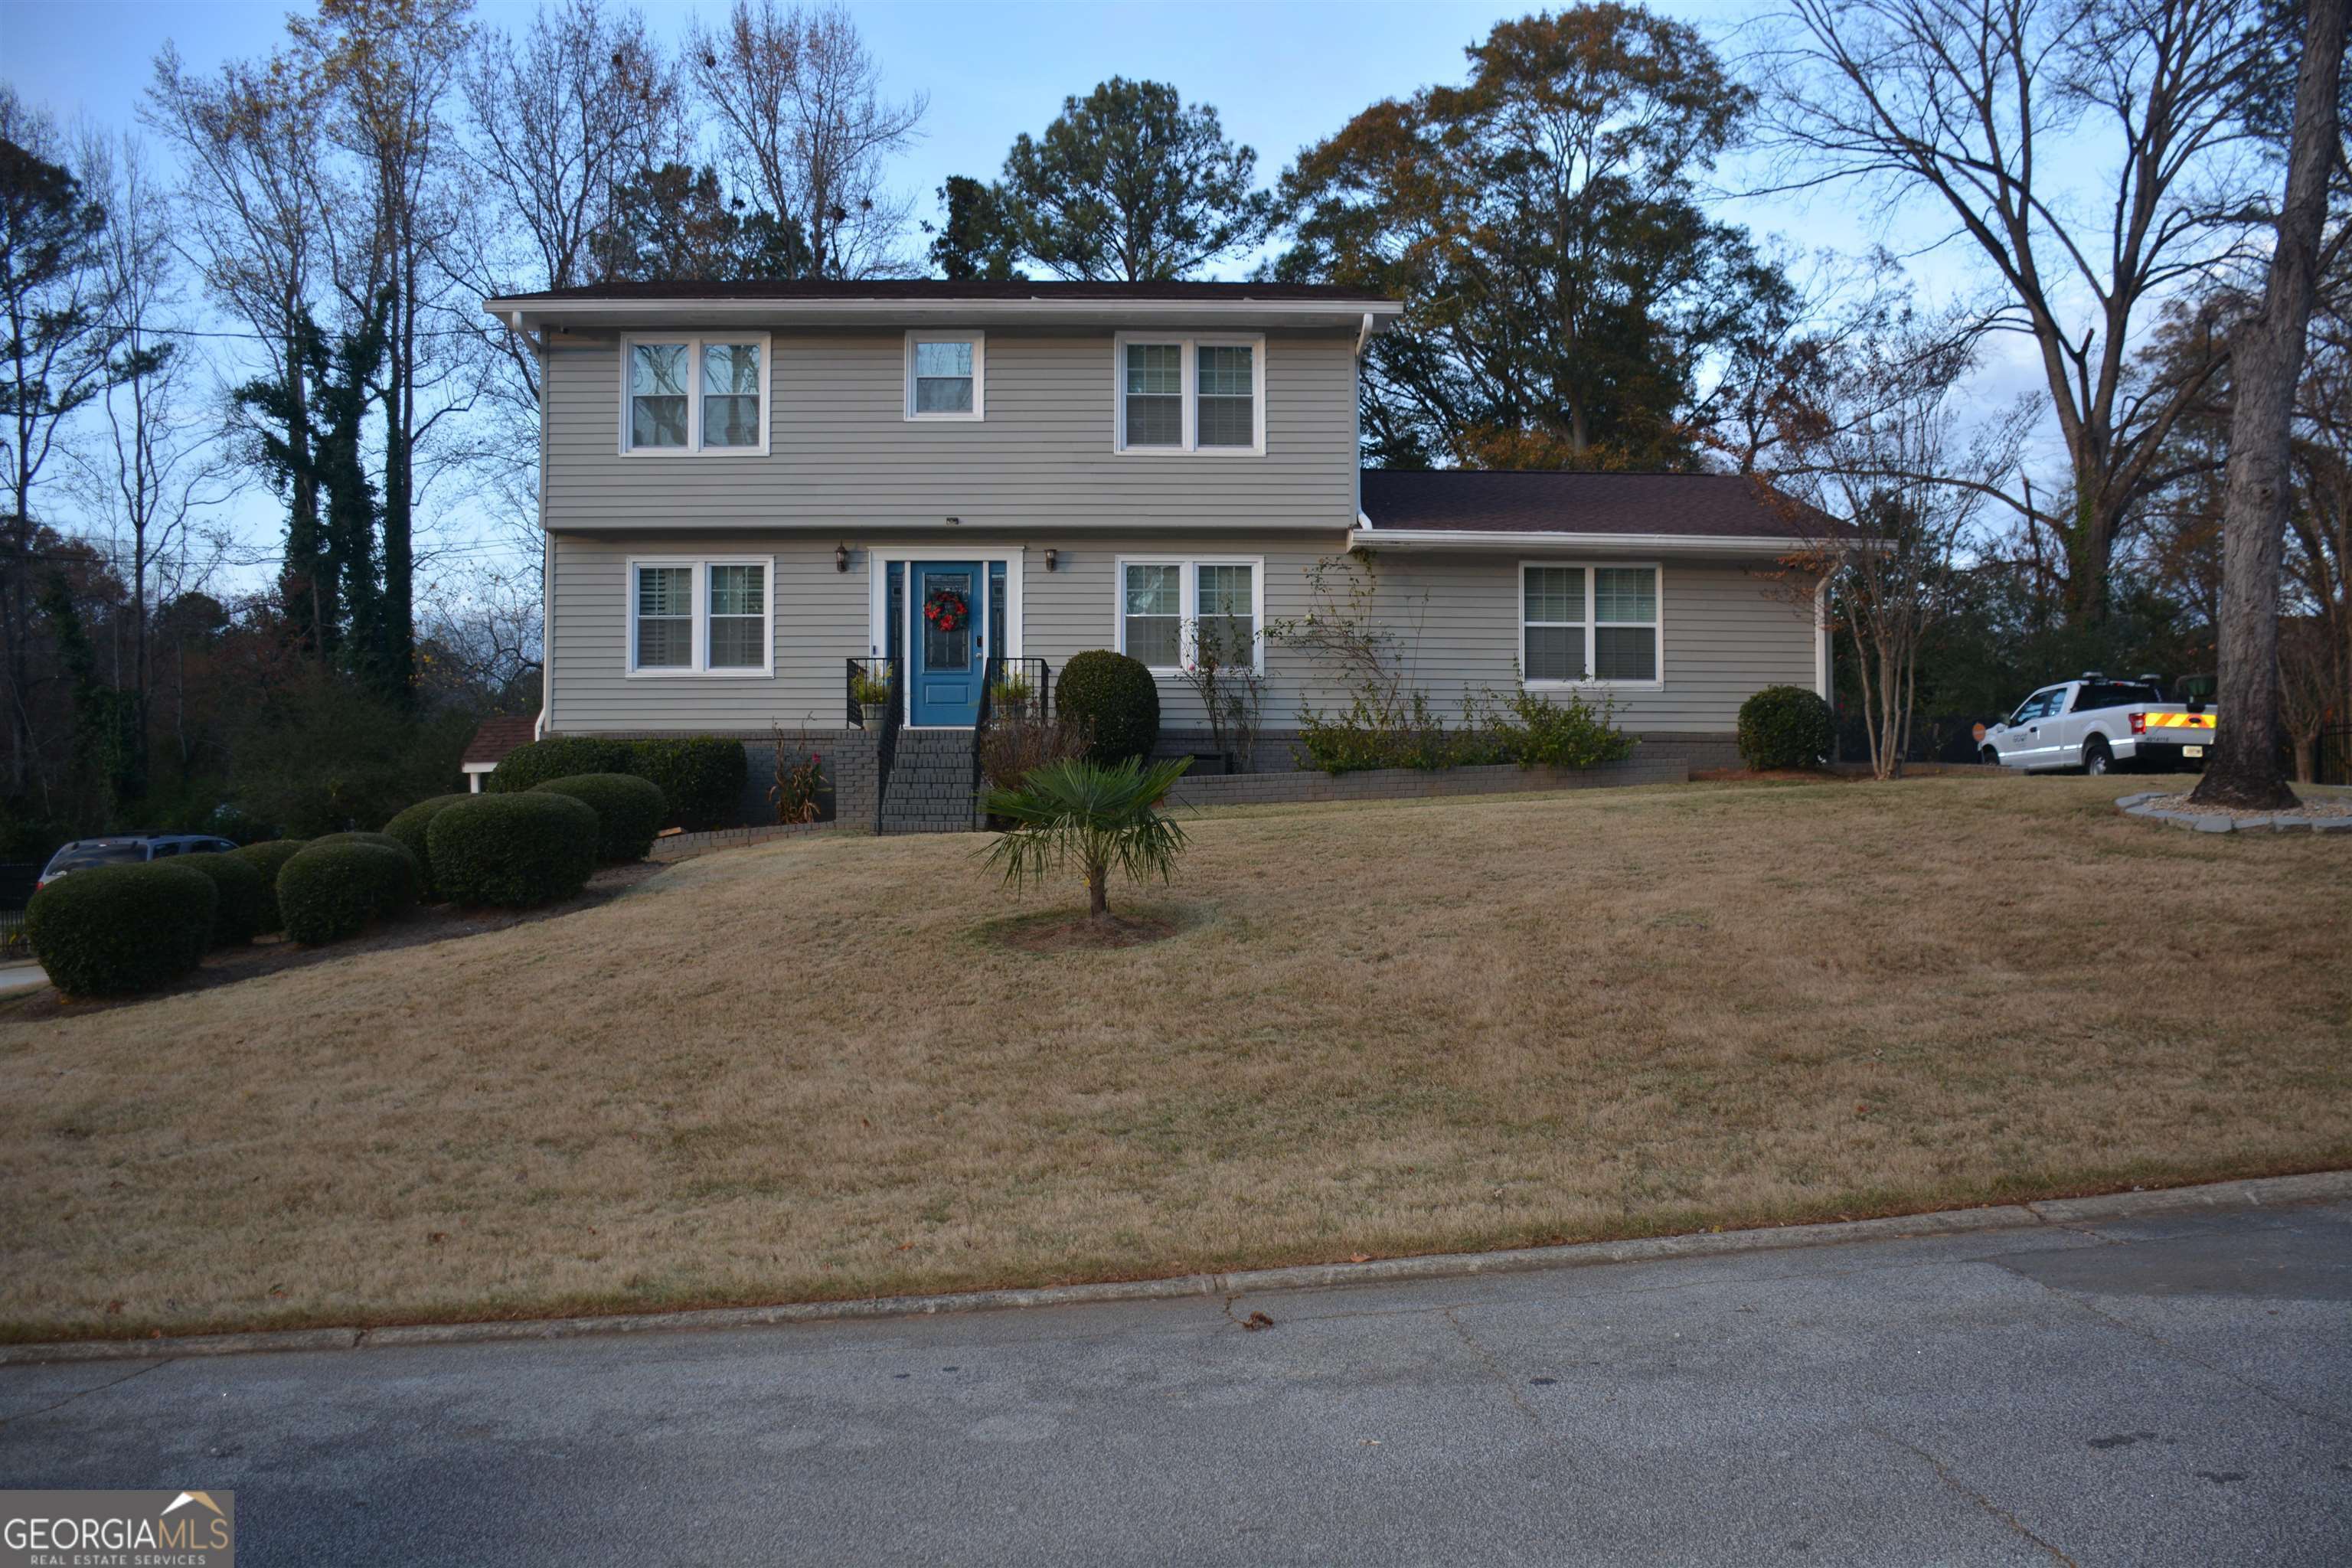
(1522, 501)
(498, 736)
(946, 288)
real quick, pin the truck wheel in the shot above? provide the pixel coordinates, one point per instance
(2097, 761)
(1989, 757)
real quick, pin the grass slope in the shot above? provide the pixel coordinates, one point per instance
(808, 1070)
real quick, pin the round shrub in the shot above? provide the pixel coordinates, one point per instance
(238, 883)
(557, 757)
(513, 850)
(383, 841)
(629, 811)
(701, 777)
(330, 892)
(1117, 701)
(1785, 727)
(269, 858)
(409, 829)
(115, 930)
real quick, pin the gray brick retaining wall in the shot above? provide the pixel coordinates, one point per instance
(1412, 784)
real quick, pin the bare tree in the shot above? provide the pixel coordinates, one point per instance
(2242, 769)
(800, 111)
(1984, 110)
(151, 473)
(1884, 493)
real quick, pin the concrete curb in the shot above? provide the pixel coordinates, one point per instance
(2217, 1196)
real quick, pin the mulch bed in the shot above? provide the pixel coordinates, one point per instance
(270, 954)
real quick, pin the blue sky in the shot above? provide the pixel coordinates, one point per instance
(1282, 75)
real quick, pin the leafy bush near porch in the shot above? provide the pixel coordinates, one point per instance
(1531, 729)
(113, 931)
(1115, 697)
(269, 857)
(558, 757)
(330, 892)
(701, 777)
(1786, 727)
(513, 850)
(409, 827)
(237, 882)
(629, 811)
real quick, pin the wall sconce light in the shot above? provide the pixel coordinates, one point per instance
(1053, 560)
(953, 521)
(841, 558)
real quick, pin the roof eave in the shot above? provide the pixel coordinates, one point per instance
(525, 314)
(1488, 541)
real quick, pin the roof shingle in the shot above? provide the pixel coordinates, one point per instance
(498, 736)
(1520, 501)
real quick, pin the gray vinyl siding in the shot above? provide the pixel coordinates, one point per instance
(842, 456)
(1728, 631)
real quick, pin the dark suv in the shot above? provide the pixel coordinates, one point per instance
(127, 849)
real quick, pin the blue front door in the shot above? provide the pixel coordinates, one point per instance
(949, 604)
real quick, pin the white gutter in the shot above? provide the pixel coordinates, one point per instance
(1364, 336)
(521, 311)
(1366, 537)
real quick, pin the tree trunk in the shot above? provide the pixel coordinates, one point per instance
(1098, 894)
(2267, 358)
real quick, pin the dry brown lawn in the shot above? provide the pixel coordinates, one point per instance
(813, 1069)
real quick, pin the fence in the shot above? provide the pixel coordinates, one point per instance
(16, 891)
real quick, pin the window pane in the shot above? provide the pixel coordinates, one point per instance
(1154, 591)
(1625, 653)
(1227, 625)
(1556, 594)
(946, 649)
(664, 617)
(730, 394)
(1228, 399)
(735, 642)
(947, 359)
(1625, 594)
(943, 395)
(1555, 653)
(1225, 590)
(1154, 639)
(739, 590)
(657, 395)
(1155, 401)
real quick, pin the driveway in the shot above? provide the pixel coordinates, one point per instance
(2176, 1389)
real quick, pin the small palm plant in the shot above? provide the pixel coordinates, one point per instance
(1098, 817)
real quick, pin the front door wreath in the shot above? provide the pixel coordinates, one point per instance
(945, 609)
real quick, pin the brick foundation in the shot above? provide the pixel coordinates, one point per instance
(1412, 784)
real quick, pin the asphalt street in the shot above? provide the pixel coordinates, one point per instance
(2175, 1389)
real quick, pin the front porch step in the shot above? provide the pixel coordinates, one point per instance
(929, 787)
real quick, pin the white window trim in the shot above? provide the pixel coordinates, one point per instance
(1188, 599)
(694, 342)
(700, 669)
(1592, 592)
(979, 342)
(1188, 343)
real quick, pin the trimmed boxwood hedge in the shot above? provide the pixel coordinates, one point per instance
(1118, 700)
(409, 827)
(330, 892)
(629, 811)
(269, 858)
(1786, 727)
(701, 777)
(513, 850)
(416, 878)
(239, 884)
(557, 757)
(112, 930)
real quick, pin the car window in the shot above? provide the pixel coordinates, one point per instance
(2040, 705)
(162, 849)
(81, 857)
(2113, 694)
(207, 846)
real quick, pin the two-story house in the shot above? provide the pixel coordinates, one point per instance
(746, 485)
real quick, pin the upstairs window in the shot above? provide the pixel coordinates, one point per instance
(946, 376)
(700, 617)
(1589, 624)
(1191, 394)
(694, 395)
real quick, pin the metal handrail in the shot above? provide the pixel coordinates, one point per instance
(885, 750)
(994, 674)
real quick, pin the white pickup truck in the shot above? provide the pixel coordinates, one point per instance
(2100, 725)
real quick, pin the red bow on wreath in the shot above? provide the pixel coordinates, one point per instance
(944, 609)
